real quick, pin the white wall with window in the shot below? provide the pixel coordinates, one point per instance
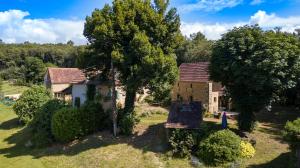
(79, 93)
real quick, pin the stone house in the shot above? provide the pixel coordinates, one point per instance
(194, 85)
(60, 80)
(71, 84)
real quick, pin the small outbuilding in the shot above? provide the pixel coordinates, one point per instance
(194, 85)
(185, 116)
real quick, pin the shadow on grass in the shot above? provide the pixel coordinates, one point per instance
(278, 117)
(10, 124)
(272, 123)
(280, 162)
(152, 139)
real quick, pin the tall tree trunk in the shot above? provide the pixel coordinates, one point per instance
(113, 106)
(246, 120)
(130, 99)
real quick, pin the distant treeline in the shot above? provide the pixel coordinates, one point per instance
(24, 62)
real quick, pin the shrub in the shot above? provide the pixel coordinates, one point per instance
(247, 150)
(183, 142)
(220, 147)
(65, 124)
(291, 133)
(92, 117)
(41, 123)
(127, 123)
(30, 102)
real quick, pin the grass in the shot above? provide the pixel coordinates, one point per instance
(146, 148)
(9, 89)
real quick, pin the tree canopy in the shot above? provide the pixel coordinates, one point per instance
(140, 38)
(13, 58)
(195, 49)
(255, 66)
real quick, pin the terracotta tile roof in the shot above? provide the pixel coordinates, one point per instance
(66, 75)
(194, 72)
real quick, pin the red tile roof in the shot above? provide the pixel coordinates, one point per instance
(66, 75)
(194, 72)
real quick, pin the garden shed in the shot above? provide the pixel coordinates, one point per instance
(185, 116)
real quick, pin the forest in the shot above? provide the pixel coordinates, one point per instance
(26, 63)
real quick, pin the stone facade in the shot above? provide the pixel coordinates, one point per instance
(196, 91)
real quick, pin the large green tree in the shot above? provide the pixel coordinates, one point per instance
(140, 38)
(35, 70)
(255, 66)
(195, 49)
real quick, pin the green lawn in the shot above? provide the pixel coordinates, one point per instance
(147, 148)
(8, 88)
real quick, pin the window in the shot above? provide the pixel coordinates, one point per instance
(77, 102)
(215, 99)
(58, 95)
(191, 85)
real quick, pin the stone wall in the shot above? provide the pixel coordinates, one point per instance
(196, 91)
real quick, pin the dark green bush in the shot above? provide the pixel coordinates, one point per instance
(41, 123)
(127, 123)
(219, 148)
(65, 125)
(183, 142)
(93, 117)
(291, 133)
(85, 120)
(30, 102)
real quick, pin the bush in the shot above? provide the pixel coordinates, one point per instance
(291, 133)
(220, 147)
(65, 125)
(93, 118)
(184, 142)
(71, 123)
(41, 123)
(127, 123)
(247, 150)
(30, 102)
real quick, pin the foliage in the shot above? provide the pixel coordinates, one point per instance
(87, 119)
(247, 150)
(195, 49)
(30, 102)
(255, 66)
(140, 38)
(92, 117)
(162, 94)
(220, 147)
(65, 125)
(128, 122)
(41, 123)
(13, 59)
(291, 133)
(1, 88)
(35, 70)
(183, 142)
